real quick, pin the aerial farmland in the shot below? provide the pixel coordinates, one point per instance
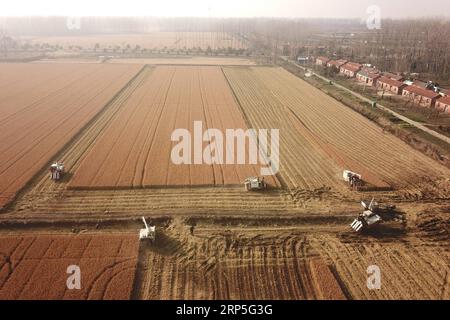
(128, 167)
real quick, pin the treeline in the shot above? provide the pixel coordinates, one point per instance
(412, 46)
(58, 26)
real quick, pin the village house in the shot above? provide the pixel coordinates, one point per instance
(302, 60)
(420, 96)
(336, 63)
(443, 104)
(322, 61)
(394, 76)
(350, 69)
(368, 76)
(387, 84)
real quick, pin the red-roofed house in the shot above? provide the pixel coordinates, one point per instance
(387, 84)
(422, 97)
(368, 76)
(322, 61)
(443, 104)
(336, 63)
(393, 76)
(350, 69)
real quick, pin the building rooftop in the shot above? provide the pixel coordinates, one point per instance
(369, 74)
(391, 82)
(393, 76)
(337, 63)
(422, 92)
(325, 59)
(351, 67)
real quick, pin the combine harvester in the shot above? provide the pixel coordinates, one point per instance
(56, 171)
(374, 214)
(148, 233)
(356, 183)
(255, 184)
(353, 179)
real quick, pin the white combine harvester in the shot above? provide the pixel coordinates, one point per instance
(56, 171)
(353, 179)
(368, 218)
(148, 233)
(255, 184)
(374, 214)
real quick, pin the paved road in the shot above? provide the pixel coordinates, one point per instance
(359, 96)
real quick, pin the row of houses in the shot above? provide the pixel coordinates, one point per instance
(390, 82)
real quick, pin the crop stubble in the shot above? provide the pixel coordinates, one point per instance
(235, 266)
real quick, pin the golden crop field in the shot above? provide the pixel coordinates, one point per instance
(320, 137)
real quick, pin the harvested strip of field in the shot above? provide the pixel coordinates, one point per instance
(214, 264)
(410, 269)
(320, 137)
(42, 107)
(135, 150)
(36, 267)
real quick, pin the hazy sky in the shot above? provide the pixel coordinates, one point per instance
(225, 8)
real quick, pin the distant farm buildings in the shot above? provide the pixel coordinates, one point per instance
(350, 69)
(302, 60)
(394, 76)
(336, 63)
(424, 94)
(368, 76)
(420, 96)
(388, 84)
(322, 61)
